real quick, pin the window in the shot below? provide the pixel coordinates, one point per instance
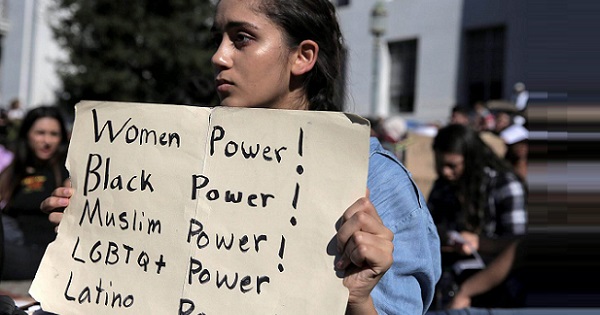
(403, 75)
(485, 64)
(342, 3)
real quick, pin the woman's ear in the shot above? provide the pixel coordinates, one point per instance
(305, 57)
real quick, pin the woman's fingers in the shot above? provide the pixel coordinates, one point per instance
(58, 200)
(362, 237)
(361, 216)
(55, 218)
(366, 249)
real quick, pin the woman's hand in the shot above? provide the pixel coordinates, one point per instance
(365, 247)
(460, 301)
(471, 243)
(464, 243)
(56, 203)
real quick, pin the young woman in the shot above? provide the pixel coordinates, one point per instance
(477, 202)
(285, 54)
(35, 171)
(476, 193)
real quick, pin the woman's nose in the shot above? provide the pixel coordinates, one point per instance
(447, 172)
(221, 58)
(49, 138)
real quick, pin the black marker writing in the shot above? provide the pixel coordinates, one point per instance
(222, 242)
(187, 307)
(232, 148)
(94, 178)
(135, 134)
(300, 171)
(98, 295)
(198, 274)
(111, 253)
(200, 182)
(281, 251)
(127, 221)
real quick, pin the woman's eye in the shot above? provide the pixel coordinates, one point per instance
(241, 39)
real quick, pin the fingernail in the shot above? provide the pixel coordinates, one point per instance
(63, 202)
(339, 264)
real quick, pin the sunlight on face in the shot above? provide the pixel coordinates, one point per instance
(252, 62)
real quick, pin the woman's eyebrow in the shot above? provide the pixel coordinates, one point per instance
(233, 24)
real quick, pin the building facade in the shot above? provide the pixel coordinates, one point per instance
(430, 56)
(4, 27)
(435, 54)
(28, 68)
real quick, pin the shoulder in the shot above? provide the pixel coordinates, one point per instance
(407, 288)
(390, 183)
(503, 178)
(505, 183)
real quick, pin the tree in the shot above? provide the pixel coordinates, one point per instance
(135, 50)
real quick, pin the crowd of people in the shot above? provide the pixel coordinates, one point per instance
(479, 203)
(395, 245)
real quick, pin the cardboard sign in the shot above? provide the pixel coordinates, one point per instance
(190, 210)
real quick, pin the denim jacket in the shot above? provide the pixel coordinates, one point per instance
(408, 286)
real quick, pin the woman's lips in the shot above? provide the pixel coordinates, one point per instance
(45, 152)
(223, 85)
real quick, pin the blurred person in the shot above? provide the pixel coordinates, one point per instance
(16, 113)
(543, 269)
(487, 279)
(477, 202)
(521, 96)
(14, 117)
(8, 306)
(4, 126)
(37, 168)
(484, 119)
(460, 115)
(285, 54)
(516, 139)
(393, 135)
(520, 99)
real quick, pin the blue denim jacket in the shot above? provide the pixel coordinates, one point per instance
(408, 286)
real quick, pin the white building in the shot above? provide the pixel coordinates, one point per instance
(27, 68)
(418, 58)
(435, 54)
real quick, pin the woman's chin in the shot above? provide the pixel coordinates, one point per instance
(232, 103)
(44, 157)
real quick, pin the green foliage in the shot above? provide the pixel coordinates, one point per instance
(136, 50)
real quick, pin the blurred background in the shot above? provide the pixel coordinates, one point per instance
(408, 63)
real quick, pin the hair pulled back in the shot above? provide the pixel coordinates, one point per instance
(314, 20)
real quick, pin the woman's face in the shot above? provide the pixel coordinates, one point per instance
(44, 137)
(452, 165)
(252, 62)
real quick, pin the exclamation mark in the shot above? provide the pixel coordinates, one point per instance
(281, 251)
(300, 171)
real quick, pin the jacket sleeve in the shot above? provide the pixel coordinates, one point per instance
(408, 286)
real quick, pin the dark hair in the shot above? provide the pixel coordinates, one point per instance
(24, 157)
(43, 112)
(459, 108)
(314, 20)
(478, 156)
